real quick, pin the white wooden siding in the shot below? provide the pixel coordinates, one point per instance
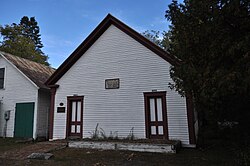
(17, 90)
(117, 55)
(43, 113)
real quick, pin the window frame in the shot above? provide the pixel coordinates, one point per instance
(4, 76)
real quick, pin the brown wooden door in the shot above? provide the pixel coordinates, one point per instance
(156, 115)
(75, 117)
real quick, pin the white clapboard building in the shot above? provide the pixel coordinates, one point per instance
(24, 99)
(119, 80)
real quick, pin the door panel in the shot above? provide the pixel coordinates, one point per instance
(152, 109)
(156, 115)
(75, 116)
(160, 130)
(159, 109)
(78, 116)
(24, 118)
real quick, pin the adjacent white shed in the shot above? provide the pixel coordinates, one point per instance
(120, 80)
(25, 100)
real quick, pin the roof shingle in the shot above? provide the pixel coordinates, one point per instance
(36, 72)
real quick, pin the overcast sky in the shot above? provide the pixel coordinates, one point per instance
(64, 24)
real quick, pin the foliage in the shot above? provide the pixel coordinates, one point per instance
(113, 135)
(95, 134)
(23, 40)
(103, 134)
(243, 157)
(153, 36)
(31, 30)
(212, 39)
(165, 42)
(162, 39)
(131, 135)
(99, 134)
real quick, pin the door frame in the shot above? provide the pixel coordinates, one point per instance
(147, 96)
(69, 100)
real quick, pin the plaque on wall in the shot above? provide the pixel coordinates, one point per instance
(60, 109)
(112, 83)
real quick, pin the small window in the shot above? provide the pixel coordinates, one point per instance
(2, 78)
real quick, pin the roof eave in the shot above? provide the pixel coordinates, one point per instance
(95, 34)
(20, 71)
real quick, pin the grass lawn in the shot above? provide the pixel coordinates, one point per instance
(214, 154)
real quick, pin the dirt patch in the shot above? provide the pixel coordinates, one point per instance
(41, 147)
(215, 154)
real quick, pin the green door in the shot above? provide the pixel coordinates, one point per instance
(24, 119)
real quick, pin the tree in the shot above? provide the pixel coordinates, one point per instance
(165, 42)
(23, 40)
(212, 39)
(31, 30)
(154, 36)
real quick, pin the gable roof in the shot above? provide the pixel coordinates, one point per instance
(95, 34)
(36, 72)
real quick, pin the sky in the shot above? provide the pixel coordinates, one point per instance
(64, 24)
